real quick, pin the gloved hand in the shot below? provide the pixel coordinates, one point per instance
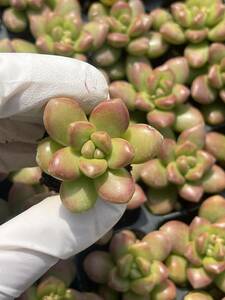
(35, 240)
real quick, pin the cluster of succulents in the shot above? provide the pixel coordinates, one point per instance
(90, 154)
(165, 69)
(183, 168)
(175, 254)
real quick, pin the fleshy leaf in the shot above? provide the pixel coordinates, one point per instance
(213, 208)
(59, 113)
(154, 174)
(45, 151)
(115, 186)
(111, 116)
(214, 180)
(145, 140)
(159, 245)
(64, 164)
(122, 154)
(195, 135)
(164, 291)
(92, 167)
(137, 199)
(160, 118)
(191, 192)
(177, 267)
(79, 133)
(178, 233)
(97, 266)
(102, 141)
(124, 91)
(198, 278)
(79, 195)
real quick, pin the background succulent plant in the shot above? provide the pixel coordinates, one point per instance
(133, 267)
(90, 156)
(184, 168)
(160, 93)
(198, 250)
(62, 32)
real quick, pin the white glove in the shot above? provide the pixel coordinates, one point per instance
(35, 240)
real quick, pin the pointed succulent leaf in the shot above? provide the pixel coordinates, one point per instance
(164, 291)
(167, 151)
(191, 192)
(173, 33)
(161, 118)
(159, 245)
(64, 165)
(198, 278)
(187, 116)
(111, 116)
(138, 70)
(45, 151)
(201, 90)
(92, 168)
(174, 175)
(154, 174)
(178, 233)
(145, 140)
(122, 154)
(213, 208)
(79, 133)
(59, 113)
(137, 199)
(215, 144)
(195, 135)
(79, 195)
(116, 186)
(177, 268)
(213, 266)
(97, 266)
(121, 242)
(118, 283)
(142, 286)
(124, 91)
(197, 54)
(102, 141)
(214, 180)
(162, 201)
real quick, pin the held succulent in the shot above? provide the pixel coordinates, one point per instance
(183, 167)
(90, 155)
(133, 267)
(160, 93)
(62, 32)
(198, 250)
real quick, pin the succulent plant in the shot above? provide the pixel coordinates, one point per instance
(183, 168)
(62, 32)
(198, 250)
(15, 17)
(137, 199)
(126, 19)
(160, 93)
(133, 267)
(17, 45)
(90, 156)
(207, 88)
(26, 190)
(215, 144)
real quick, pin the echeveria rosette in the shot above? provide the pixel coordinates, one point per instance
(198, 250)
(126, 19)
(208, 88)
(183, 168)
(160, 93)
(133, 267)
(62, 32)
(53, 288)
(15, 17)
(90, 155)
